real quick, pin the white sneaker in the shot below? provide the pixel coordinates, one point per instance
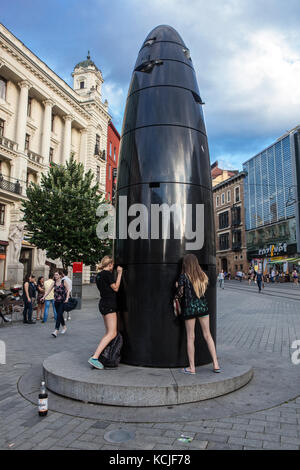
(69, 317)
(63, 331)
(54, 333)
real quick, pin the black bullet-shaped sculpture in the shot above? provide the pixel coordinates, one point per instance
(164, 159)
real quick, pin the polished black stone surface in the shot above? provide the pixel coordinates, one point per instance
(164, 159)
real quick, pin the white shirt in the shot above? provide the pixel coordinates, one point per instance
(66, 278)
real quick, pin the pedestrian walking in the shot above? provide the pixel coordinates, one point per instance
(108, 288)
(40, 302)
(66, 278)
(295, 277)
(259, 280)
(49, 299)
(221, 278)
(191, 288)
(250, 276)
(61, 296)
(28, 296)
(273, 276)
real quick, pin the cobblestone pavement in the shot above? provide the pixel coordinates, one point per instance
(248, 320)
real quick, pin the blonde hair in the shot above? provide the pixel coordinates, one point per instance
(105, 262)
(196, 275)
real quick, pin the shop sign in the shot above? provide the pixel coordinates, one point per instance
(273, 249)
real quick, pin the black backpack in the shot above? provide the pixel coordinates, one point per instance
(111, 355)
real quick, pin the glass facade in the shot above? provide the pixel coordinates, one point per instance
(266, 185)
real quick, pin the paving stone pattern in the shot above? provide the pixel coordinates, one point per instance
(246, 319)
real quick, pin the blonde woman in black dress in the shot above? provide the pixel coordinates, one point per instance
(191, 288)
(108, 288)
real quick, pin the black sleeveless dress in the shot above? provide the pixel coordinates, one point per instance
(191, 305)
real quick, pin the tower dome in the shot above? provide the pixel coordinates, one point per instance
(86, 63)
(87, 78)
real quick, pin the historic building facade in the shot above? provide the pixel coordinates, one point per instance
(218, 175)
(228, 196)
(113, 145)
(42, 120)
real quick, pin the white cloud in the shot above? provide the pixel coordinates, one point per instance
(247, 60)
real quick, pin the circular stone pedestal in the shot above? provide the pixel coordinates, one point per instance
(70, 375)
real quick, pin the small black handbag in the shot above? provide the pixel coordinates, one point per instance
(71, 304)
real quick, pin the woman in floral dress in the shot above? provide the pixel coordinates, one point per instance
(191, 288)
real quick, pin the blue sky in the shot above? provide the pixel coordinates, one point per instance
(246, 54)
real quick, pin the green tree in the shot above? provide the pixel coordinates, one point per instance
(60, 215)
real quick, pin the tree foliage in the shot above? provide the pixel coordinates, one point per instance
(60, 215)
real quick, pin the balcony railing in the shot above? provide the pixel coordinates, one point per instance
(7, 143)
(236, 247)
(12, 185)
(100, 153)
(34, 157)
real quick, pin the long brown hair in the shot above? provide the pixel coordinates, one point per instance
(196, 275)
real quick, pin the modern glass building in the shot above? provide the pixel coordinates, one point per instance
(271, 199)
(267, 185)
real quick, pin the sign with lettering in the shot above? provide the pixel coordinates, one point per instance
(77, 267)
(273, 249)
(77, 282)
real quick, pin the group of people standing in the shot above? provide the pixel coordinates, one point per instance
(55, 290)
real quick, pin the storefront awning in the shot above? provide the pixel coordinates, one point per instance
(289, 260)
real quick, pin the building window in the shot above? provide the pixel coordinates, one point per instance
(2, 214)
(2, 88)
(110, 147)
(228, 196)
(223, 220)
(51, 153)
(217, 201)
(97, 145)
(223, 198)
(29, 106)
(236, 215)
(224, 241)
(81, 85)
(27, 138)
(236, 239)
(1, 127)
(115, 151)
(98, 174)
(237, 194)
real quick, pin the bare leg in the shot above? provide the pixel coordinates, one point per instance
(110, 321)
(190, 334)
(42, 311)
(204, 322)
(38, 312)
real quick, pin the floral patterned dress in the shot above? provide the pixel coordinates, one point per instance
(191, 305)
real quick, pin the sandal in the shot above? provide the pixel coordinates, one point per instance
(217, 371)
(185, 371)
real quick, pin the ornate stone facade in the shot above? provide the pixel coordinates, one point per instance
(231, 252)
(42, 120)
